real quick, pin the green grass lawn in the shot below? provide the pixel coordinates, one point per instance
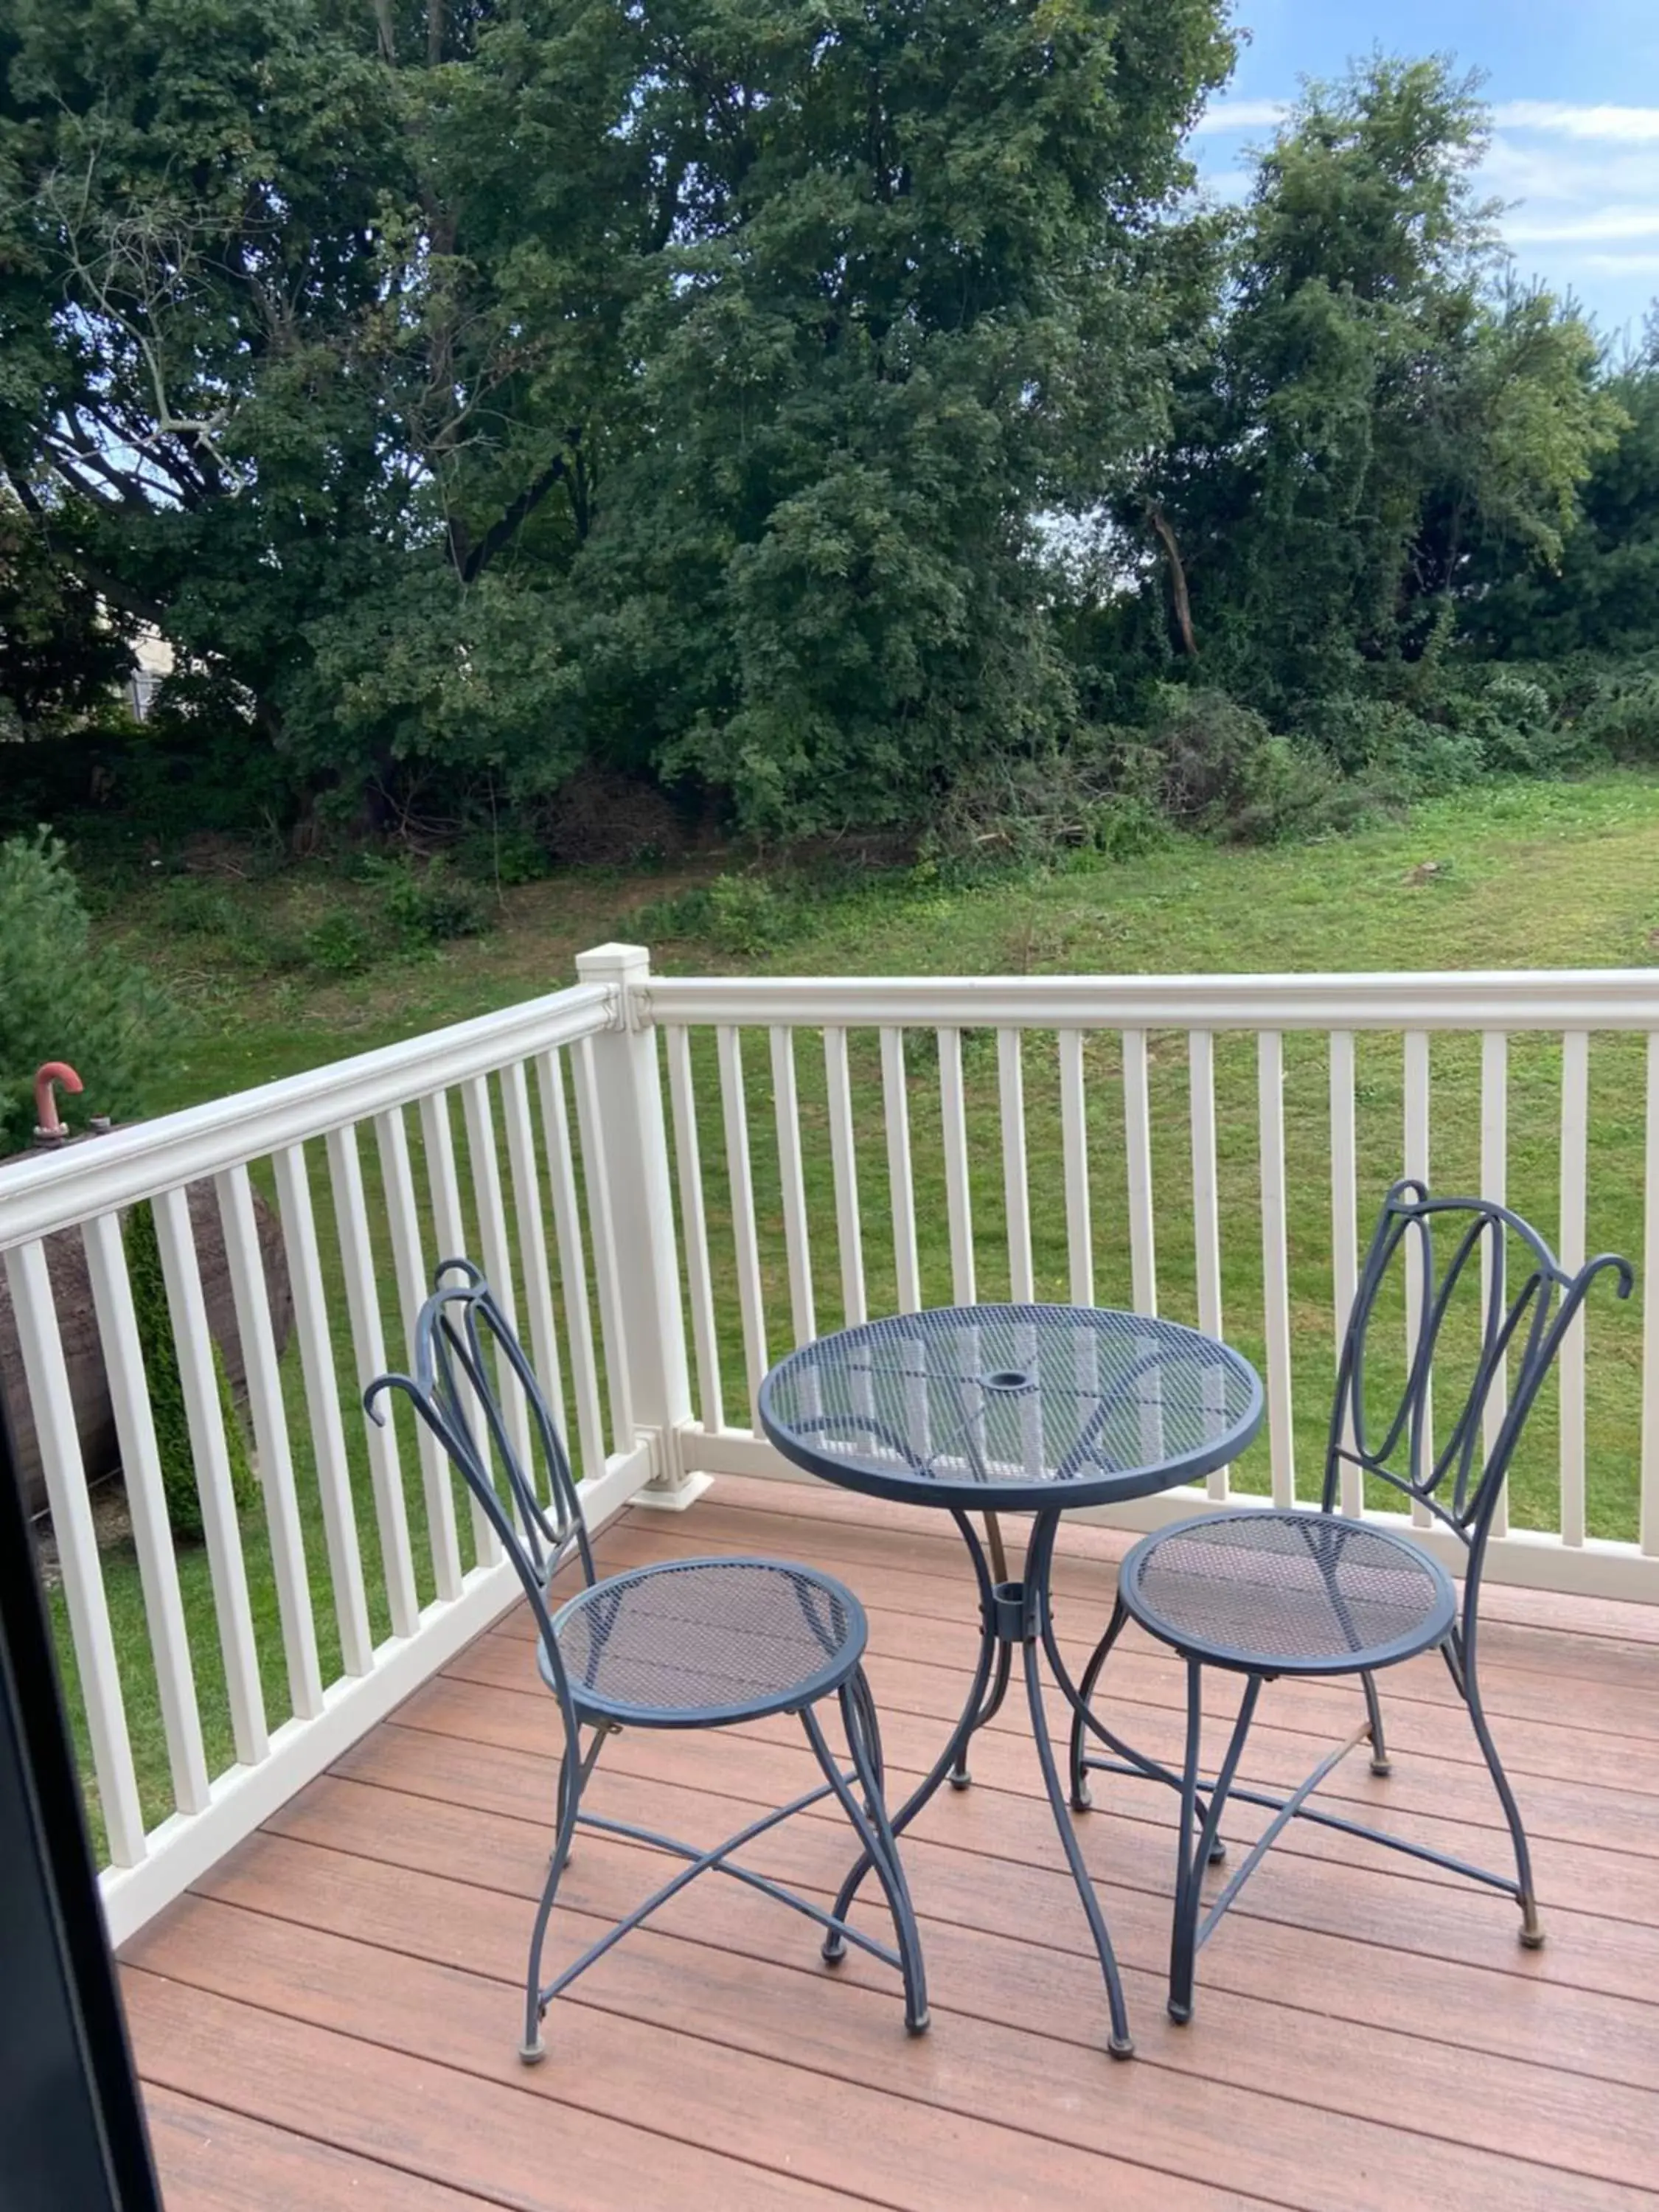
(1525, 875)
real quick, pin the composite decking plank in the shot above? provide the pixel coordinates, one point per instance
(765, 1767)
(997, 2069)
(1591, 1618)
(1369, 2035)
(432, 2121)
(1455, 2000)
(744, 2106)
(1598, 1814)
(932, 1579)
(211, 2159)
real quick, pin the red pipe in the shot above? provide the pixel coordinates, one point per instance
(47, 1123)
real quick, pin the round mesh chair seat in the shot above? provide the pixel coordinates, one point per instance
(689, 1643)
(1287, 1592)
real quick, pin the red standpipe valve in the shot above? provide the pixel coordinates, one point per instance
(49, 1125)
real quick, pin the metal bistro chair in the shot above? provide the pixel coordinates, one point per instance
(1266, 1594)
(687, 1643)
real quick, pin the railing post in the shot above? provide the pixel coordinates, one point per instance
(633, 1160)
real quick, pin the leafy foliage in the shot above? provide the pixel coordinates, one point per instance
(64, 998)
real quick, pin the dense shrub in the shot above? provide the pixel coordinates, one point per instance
(425, 905)
(64, 998)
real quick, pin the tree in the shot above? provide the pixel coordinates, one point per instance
(1378, 410)
(1603, 597)
(508, 386)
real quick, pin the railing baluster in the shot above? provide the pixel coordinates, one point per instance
(750, 1298)
(1345, 1233)
(843, 1160)
(1138, 1159)
(311, 1327)
(273, 1452)
(176, 1242)
(1016, 1189)
(101, 1692)
(1417, 1166)
(896, 1104)
(792, 1184)
(485, 1161)
(449, 1229)
(1275, 1262)
(152, 1532)
(1206, 1214)
(1649, 1287)
(953, 1139)
(1494, 1185)
(532, 1235)
(1074, 1146)
(345, 1176)
(1575, 1131)
(398, 1176)
(694, 1221)
(572, 1268)
(607, 1262)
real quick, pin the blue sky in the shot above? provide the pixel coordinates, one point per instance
(1574, 88)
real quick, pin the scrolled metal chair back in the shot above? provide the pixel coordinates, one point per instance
(1521, 1313)
(462, 1344)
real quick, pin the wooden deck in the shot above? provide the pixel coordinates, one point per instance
(329, 2020)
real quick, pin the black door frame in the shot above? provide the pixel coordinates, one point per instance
(72, 2128)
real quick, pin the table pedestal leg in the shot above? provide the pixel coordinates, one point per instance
(1012, 1614)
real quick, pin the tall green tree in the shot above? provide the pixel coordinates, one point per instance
(501, 385)
(1377, 413)
(1604, 595)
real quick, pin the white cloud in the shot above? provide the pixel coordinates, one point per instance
(1607, 222)
(1629, 126)
(1622, 264)
(1241, 115)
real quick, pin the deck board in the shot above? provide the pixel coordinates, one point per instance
(333, 2010)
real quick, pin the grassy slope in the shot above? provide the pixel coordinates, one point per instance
(1526, 875)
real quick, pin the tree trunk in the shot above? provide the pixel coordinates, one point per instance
(1183, 608)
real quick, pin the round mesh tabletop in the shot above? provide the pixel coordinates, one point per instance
(692, 1641)
(1291, 1593)
(1013, 1407)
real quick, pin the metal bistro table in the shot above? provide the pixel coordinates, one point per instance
(1012, 1409)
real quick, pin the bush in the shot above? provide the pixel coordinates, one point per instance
(1220, 770)
(426, 906)
(1396, 751)
(62, 998)
(166, 1388)
(339, 945)
(1619, 716)
(741, 915)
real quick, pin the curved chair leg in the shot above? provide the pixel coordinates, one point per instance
(1184, 1926)
(1532, 1932)
(874, 1831)
(572, 1775)
(1081, 1800)
(1380, 1763)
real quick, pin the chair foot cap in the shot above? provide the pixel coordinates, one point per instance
(1532, 1938)
(960, 1781)
(531, 2054)
(1121, 2046)
(1179, 2013)
(1217, 1852)
(1382, 1766)
(834, 1950)
(920, 2025)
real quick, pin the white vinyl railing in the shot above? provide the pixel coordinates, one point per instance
(1250, 1124)
(260, 1654)
(649, 1168)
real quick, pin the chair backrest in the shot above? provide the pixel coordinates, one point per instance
(1508, 1330)
(464, 1353)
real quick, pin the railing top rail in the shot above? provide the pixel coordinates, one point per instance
(56, 1190)
(1494, 998)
